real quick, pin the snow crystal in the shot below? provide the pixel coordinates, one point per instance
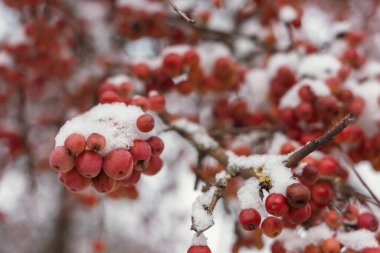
(145, 5)
(358, 240)
(220, 175)
(288, 14)
(319, 66)
(253, 28)
(17, 37)
(255, 89)
(271, 166)
(249, 196)
(116, 122)
(5, 59)
(371, 69)
(278, 140)
(370, 92)
(221, 20)
(118, 80)
(178, 49)
(199, 240)
(200, 134)
(200, 217)
(279, 60)
(209, 52)
(298, 239)
(291, 97)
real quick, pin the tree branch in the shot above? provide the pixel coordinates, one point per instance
(181, 13)
(301, 153)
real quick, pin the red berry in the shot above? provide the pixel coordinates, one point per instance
(155, 165)
(173, 64)
(287, 148)
(74, 181)
(191, 58)
(89, 164)
(141, 101)
(305, 111)
(103, 183)
(118, 164)
(306, 93)
(96, 142)
(368, 221)
(60, 160)
(351, 213)
(371, 250)
(321, 193)
(275, 204)
(156, 144)
(75, 143)
(98, 246)
(199, 249)
(328, 166)
(141, 151)
(330, 245)
(310, 174)
(271, 226)
(297, 195)
(145, 123)
(299, 215)
(157, 102)
(132, 179)
(249, 219)
(278, 247)
(333, 219)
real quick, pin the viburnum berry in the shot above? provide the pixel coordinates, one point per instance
(145, 123)
(297, 195)
(278, 247)
(131, 180)
(103, 183)
(141, 152)
(333, 219)
(141, 101)
(74, 181)
(156, 144)
(157, 102)
(199, 249)
(351, 213)
(89, 164)
(96, 142)
(328, 166)
(299, 215)
(60, 160)
(75, 143)
(271, 226)
(306, 93)
(310, 174)
(118, 164)
(321, 193)
(276, 204)
(155, 165)
(368, 221)
(249, 219)
(173, 64)
(330, 245)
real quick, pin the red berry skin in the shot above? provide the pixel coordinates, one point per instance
(75, 143)
(272, 226)
(249, 219)
(60, 160)
(157, 102)
(74, 181)
(103, 183)
(278, 247)
(131, 180)
(321, 193)
(145, 123)
(118, 164)
(297, 195)
(199, 249)
(143, 102)
(368, 221)
(328, 166)
(89, 164)
(155, 165)
(96, 142)
(141, 151)
(310, 174)
(371, 250)
(299, 215)
(156, 144)
(351, 213)
(276, 204)
(173, 64)
(333, 219)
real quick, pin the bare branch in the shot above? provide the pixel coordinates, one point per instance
(181, 13)
(316, 143)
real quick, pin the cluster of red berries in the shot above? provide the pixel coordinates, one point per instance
(110, 93)
(236, 113)
(225, 74)
(294, 208)
(80, 164)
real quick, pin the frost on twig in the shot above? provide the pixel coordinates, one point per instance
(201, 217)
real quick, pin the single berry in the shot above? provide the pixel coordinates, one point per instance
(96, 142)
(89, 163)
(132, 179)
(271, 226)
(141, 152)
(118, 164)
(60, 160)
(310, 174)
(199, 249)
(276, 205)
(249, 219)
(368, 221)
(330, 245)
(297, 195)
(75, 143)
(103, 183)
(74, 181)
(156, 144)
(155, 165)
(145, 123)
(299, 215)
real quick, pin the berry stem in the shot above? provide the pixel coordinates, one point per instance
(181, 13)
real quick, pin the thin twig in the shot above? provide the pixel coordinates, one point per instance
(181, 13)
(316, 143)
